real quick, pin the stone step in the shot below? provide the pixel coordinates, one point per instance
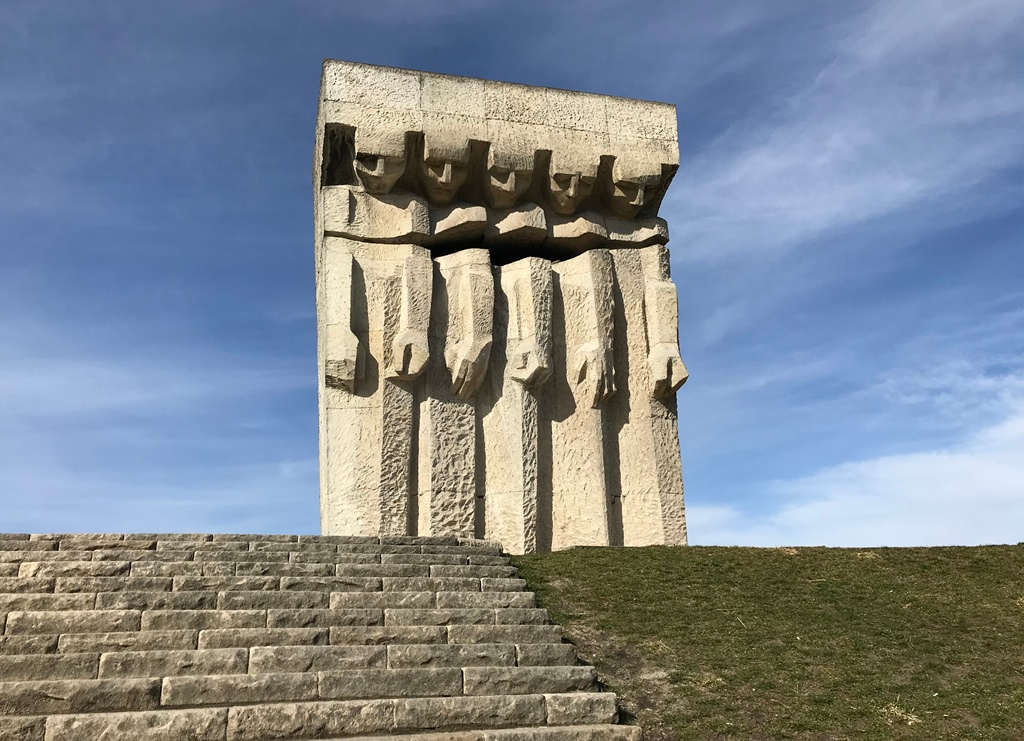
(495, 680)
(185, 552)
(463, 616)
(215, 661)
(29, 667)
(504, 634)
(347, 717)
(78, 696)
(246, 637)
(202, 619)
(486, 599)
(12, 587)
(144, 640)
(326, 718)
(28, 644)
(116, 538)
(269, 659)
(396, 634)
(237, 688)
(211, 725)
(72, 621)
(545, 654)
(548, 733)
(415, 656)
(21, 601)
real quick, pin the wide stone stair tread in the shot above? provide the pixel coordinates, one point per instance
(249, 637)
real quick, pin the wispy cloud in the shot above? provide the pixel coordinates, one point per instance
(917, 102)
(969, 493)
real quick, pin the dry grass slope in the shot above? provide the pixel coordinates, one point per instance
(799, 643)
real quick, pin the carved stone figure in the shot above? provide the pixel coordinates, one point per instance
(497, 326)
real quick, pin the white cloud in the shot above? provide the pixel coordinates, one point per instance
(914, 106)
(969, 493)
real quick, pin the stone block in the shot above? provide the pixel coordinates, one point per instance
(145, 640)
(155, 600)
(32, 667)
(371, 683)
(504, 634)
(226, 583)
(113, 584)
(238, 689)
(202, 619)
(429, 559)
(486, 599)
(380, 570)
(473, 572)
(479, 654)
(578, 708)
(78, 696)
(237, 557)
(324, 618)
(30, 545)
(201, 545)
(376, 600)
(272, 600)
(488, 560)
(12, 645)
(440, 584)
(284, 569)
(162, 725)
(310, 719)
(166, 568)
(91, 621)
(331, 583)
(488, 584)
(376, 635)
(517, 616)
(567, 733)
(268, 659)
(451, 616)
(545, 654)
(491, 680)
(248, 637)
(463, 712)
(74, 568)
(173, 663)
(30, 601)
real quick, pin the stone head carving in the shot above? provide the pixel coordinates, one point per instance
(570, 183)
(509, 176)
(379, 164)
(443, 169)
(633, 185)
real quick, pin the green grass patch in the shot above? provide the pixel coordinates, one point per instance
(799, 643)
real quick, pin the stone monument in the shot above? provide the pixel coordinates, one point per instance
(496, 325)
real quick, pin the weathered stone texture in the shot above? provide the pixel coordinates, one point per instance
(497, 327)
(391, 655)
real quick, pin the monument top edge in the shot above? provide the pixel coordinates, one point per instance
(328, 62)
(474, 98)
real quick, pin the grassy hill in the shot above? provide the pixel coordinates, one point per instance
(799, 643)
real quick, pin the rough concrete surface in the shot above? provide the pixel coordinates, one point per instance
(497, 326)
(468, 657)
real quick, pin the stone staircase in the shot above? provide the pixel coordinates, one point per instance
(245, 637)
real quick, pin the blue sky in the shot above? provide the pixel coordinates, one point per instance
(847, 235)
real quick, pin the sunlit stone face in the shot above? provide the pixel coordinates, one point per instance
(378, 173)
(569, 190)
(506, 184)
(442, 179)
(631, 189)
